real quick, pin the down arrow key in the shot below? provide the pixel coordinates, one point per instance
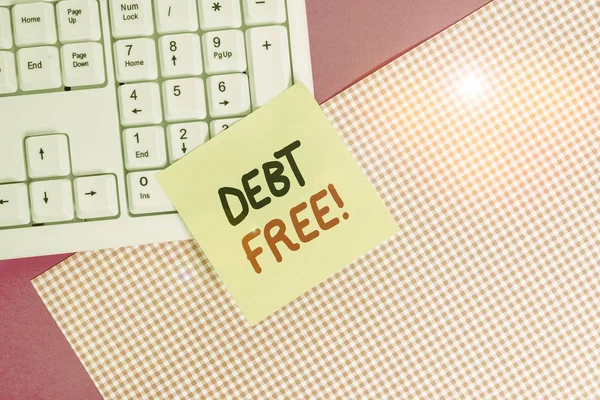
(51, 201)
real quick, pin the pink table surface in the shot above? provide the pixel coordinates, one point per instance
(349, 39)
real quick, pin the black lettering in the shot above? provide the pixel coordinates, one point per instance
(287, 153)
(223, 193)
(276, 177)
(251, 192)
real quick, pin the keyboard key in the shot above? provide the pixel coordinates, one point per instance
(219, 14)
(131, 18)
(135, 60)
(146, 196)
(184, 99)
(39, 68)
(52, 201)
(174, 16)
(145, 148)
(6, 41)
(83, 64)
(183, 138)
(78, 21)
(140, 104)
(13, 163)
(8, 73)
(34, 24)
(228, 95)
(264, 12)
(268, 63)
(224, 52)
(219, 125)
(14, 205)
(48, 156)
(96, 197)
(180, 55)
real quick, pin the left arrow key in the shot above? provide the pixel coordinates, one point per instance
(14, 205)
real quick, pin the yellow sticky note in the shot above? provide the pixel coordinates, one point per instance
(277, 203)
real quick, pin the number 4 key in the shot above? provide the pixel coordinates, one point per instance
(139, 104)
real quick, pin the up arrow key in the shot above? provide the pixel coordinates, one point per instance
(48, 156)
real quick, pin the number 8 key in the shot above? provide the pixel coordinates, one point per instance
(180, 55)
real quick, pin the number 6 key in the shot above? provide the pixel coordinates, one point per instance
(228, 95)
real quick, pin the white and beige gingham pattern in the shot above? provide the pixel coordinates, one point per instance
(485, 145)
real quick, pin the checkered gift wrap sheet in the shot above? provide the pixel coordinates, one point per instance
(484, 143)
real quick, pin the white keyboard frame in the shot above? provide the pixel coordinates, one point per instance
(95, 111)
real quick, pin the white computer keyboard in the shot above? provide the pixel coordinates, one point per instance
(97, 96)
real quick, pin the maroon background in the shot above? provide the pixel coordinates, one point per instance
(349, 39)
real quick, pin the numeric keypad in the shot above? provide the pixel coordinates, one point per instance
(208, 65)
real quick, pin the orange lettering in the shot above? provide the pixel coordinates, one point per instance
(299, 225)
(279, 236)
(251, 254)
(321, 212)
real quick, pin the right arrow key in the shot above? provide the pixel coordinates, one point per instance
(96, 197)
(228, 95)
